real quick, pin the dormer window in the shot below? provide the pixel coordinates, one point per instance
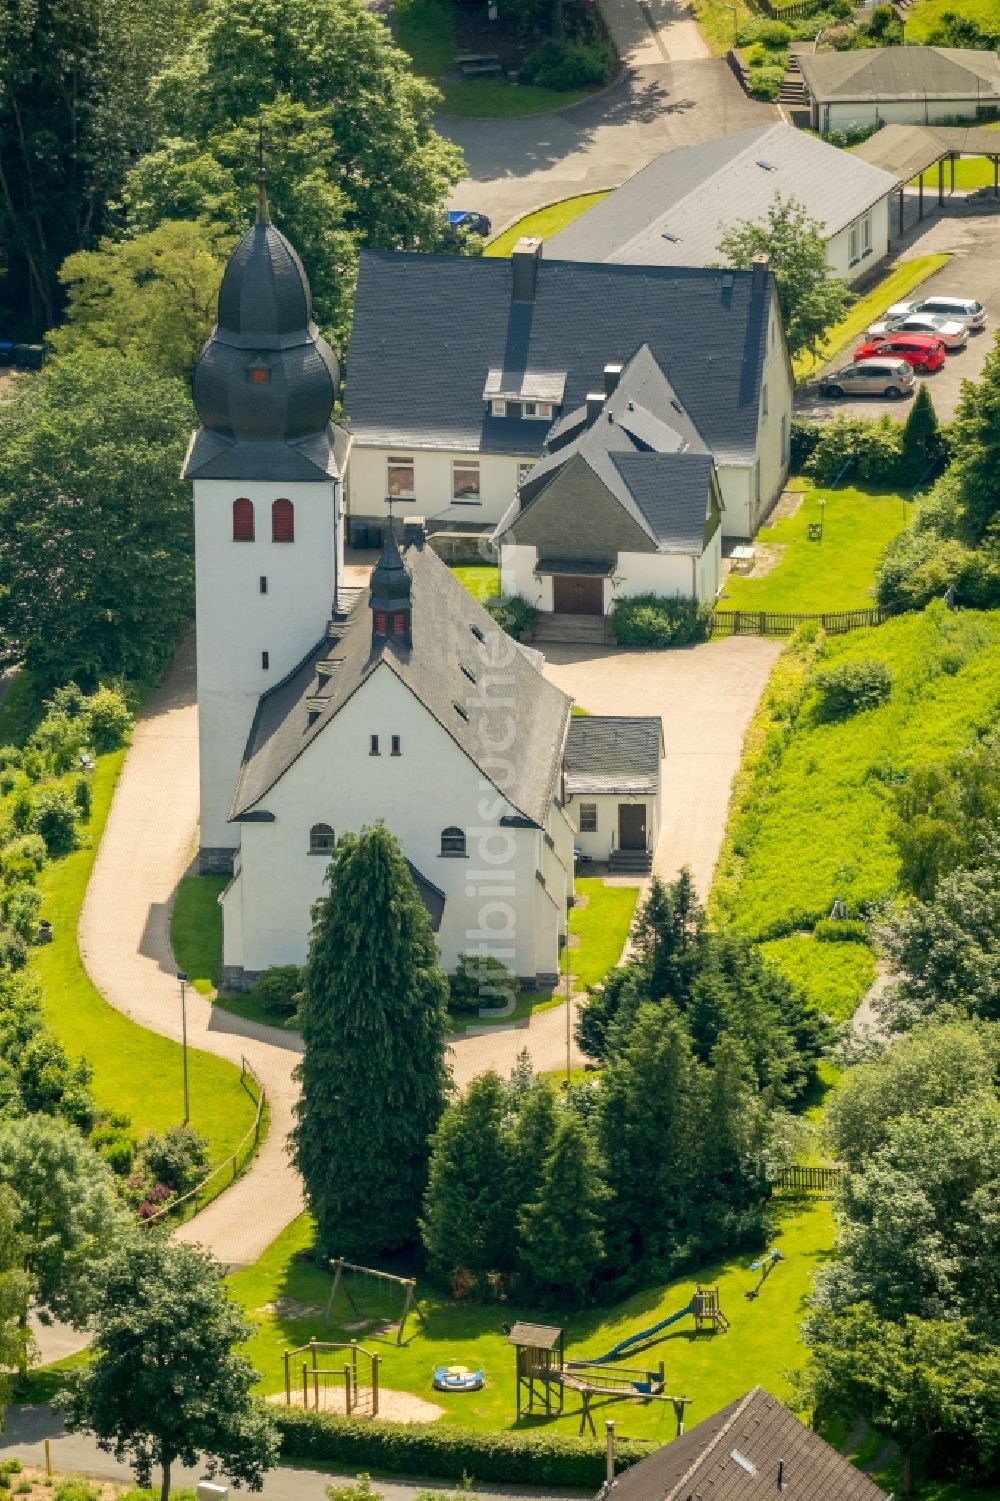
(537, 410)
(259, 375)
(499, 406)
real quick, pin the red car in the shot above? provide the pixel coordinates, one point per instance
(923, 351)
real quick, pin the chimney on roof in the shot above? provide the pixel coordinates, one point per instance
(781, 1474)
(414, 531)
(595, 405)
(759, 268)
(612, 375)
(527, 254)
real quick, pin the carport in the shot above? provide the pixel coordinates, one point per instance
(908, 151)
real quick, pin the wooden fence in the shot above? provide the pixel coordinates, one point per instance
(811, 1179)
(772, 623)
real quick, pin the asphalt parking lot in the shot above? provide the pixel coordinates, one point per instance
(974, 271)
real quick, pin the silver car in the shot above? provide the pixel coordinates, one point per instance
(873, 377)
(963, 309)
(953, 333)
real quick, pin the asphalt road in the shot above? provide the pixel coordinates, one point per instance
(76, 1454)
(973, 271)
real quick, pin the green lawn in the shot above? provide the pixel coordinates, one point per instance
(481, 579)
(718, 23)
(811, 577)
(426, 30)
(762, 1344)
(545, 222)
(898, 283)
(135, 1071)
(196, 930)
(926, 13)
(602, 927)
(834, 976)
(811, 816)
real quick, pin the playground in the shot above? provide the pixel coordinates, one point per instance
(286, 1296)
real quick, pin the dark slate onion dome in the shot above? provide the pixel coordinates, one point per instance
(266, 376)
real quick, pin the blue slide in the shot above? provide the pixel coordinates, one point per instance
(637, 1339)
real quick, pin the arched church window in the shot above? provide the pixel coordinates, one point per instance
(242, 520)
(453, 841)
(321, 839)
(282, 521)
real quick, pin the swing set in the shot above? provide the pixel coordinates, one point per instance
(344, 1271)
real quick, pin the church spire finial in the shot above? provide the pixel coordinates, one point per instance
(263, 214)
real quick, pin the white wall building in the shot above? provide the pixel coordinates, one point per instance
(900, 86)
(611, 787)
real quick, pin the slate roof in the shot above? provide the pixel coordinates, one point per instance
(675, 211)
(734, 1456)
(429, 329)
(907, 150)
(611, 754)
(432, 896)
(883, 73)
(646, 451)
(445, 618)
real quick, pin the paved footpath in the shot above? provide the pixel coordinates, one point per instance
(671, 93)
(28, 1427)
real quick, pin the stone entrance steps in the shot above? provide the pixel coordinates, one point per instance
(583, 630)
(630, 862)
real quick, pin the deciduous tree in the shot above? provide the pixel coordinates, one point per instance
(165, 1381)
(374, 1025)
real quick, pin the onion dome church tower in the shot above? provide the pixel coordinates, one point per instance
(267, 465)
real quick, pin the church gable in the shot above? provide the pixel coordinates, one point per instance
(577, 516)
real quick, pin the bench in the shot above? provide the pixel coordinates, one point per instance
(472, 63)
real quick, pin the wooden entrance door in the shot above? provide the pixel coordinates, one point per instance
(631, 826)
(574, 595)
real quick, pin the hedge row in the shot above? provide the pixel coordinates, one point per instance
(447, 1453)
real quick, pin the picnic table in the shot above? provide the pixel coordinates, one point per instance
(471, 63)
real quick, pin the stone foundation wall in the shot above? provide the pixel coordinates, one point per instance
(216, 862)
(235, 978)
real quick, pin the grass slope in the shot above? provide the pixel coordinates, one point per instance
(834, 976)
(481, 579)
(925, 15)
(835, 574)
(284, 1294)
(196, 930)
(899, 283)
(545, 222)
(135, 1072)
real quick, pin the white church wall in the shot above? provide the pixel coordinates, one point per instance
(430, 786)
(240, 618)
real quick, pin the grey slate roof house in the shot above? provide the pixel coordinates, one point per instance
(900, 85)
(611, 788)
(678, 207)
(752, 1450)
(625, 500)
(459, 367)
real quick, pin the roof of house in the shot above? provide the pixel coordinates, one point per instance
(677, 209)
(883, 73)
(646, 451)
(907, 150)
(735, 1455)
(441, 667)
(430, 331)
(613, 755)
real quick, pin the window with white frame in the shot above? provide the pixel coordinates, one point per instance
(399, 477)
(763, 402)
(537, 409)
(853, 242)
(465, 482)
(498, 406)
(588, 818)
(866, 235)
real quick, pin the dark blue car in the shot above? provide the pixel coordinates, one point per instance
(477, 224)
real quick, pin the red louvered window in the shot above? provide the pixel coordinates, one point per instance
(399, 624)
(242, 520)
(282, 521)
(381, 623)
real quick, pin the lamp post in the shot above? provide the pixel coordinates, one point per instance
(182, 977)
(736, 22)
(822, 515)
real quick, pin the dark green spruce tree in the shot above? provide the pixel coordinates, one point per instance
(562, 1239)
(374, 1078)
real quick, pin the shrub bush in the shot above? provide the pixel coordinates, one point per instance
(109, 719)
(756, 55)
(513, 615)
(851, 687)
(481, 981)
(765, 82)
(449, 1453)
(82, 797)
(76, 1489)
(803, 441)
(653, 620)
(177, 1159)
(564, 65)
(21, 906)
(876, 447)
(54, 818)
(279, 989)
(840, 930)
(774, 34)
(23, 858)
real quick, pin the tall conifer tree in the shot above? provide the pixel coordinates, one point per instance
(374, 1078)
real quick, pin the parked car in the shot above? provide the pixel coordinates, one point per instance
(476, 224)
(966, 309)
(923, 351)
(953, 333)
(877, 377)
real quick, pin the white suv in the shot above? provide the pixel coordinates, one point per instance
(964, 309)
